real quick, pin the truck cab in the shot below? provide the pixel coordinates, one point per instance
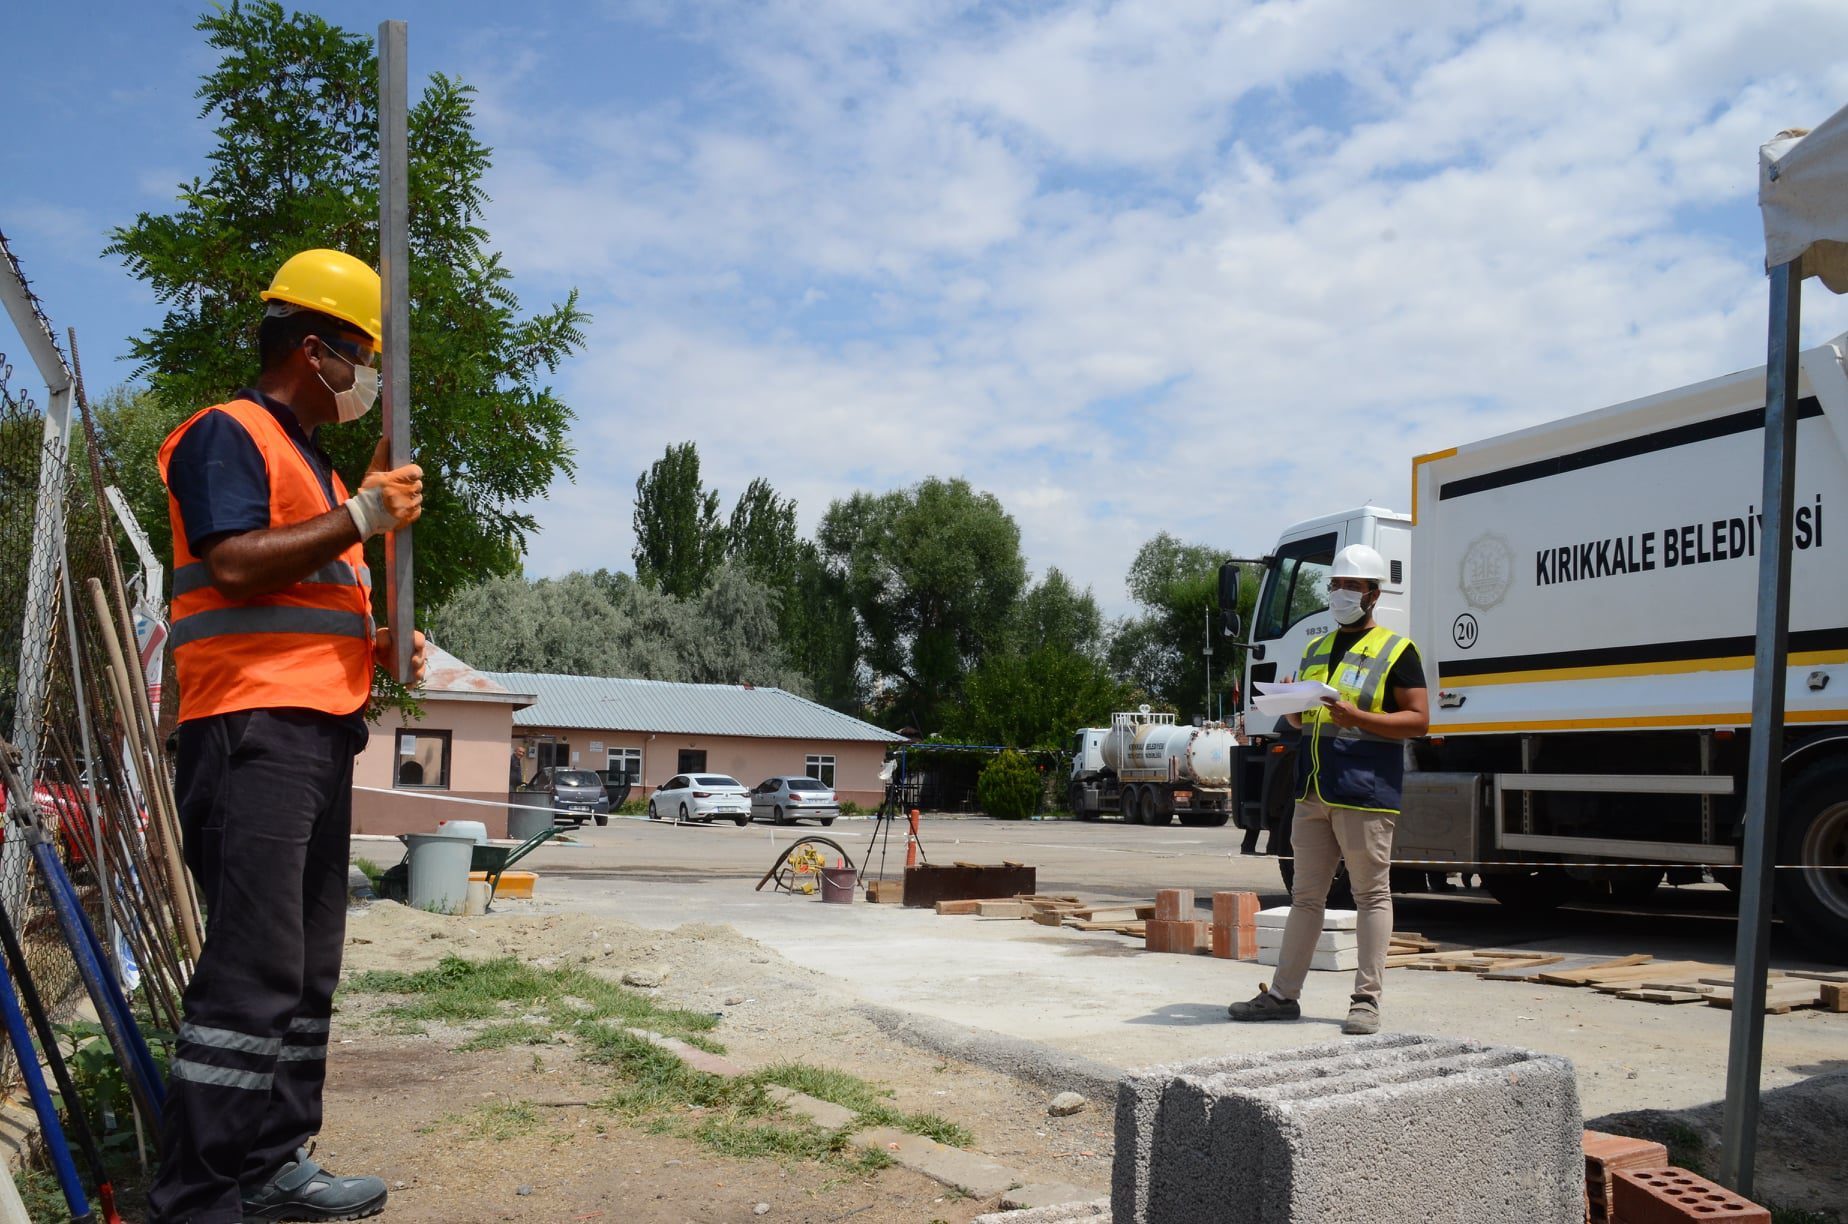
(1291, 612)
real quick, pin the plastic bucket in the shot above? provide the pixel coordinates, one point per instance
(523, 822)
(472, 829)
(837, 885)
(439, 871)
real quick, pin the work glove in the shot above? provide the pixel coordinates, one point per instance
(387, 499)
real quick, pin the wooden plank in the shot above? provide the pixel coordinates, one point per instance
(1780, 997)
(1818, 975)
(1518, 974)
(1624, 977)
(1002, 909)
(1835, 996)
(1565, 975)
(1662, 996)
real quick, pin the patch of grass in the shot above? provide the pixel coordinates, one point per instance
(1795, 1215)
(866, 1100)
(1686, 1149)
(458, 990)
(503, 1120)
(511, 1033)
(371, 869)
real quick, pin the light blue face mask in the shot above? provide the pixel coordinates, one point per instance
(1345, 607)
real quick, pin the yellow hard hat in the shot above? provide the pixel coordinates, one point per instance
(333, 283)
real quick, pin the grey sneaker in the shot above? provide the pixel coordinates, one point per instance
(1363, 1017)
(303, 1190)
(1266, 1006)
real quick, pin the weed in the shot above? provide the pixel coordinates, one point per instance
(503, 1120)
(1686, 1149)
(1796, 1215)
(864, 1099)
(371, 870)
(512, 1033)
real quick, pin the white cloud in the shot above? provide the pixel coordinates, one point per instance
(1143, 267)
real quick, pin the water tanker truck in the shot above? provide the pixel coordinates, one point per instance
(1584, 594)
(1150, 770)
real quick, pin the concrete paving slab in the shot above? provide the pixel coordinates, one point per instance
(974, 1175)
(825, 1114)
(1052, 1194)
(1063, 1213)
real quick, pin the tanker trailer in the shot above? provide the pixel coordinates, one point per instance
(1151, 771)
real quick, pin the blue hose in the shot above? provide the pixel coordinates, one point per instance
(49, 1126)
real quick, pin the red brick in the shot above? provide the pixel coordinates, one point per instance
(1184, 938)
(1673, 1196)
(1604, 1155)
(1235, 909)
(1174, 904)
(1235, 943)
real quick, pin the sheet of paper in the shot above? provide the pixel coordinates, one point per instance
(1293, 698)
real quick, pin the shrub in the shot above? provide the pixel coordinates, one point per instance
(850, 808)
(1009, 788)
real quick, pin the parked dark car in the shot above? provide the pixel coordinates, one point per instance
(577, 795)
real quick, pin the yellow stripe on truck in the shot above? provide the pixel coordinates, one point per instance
(1433, 457)
(1674, 667)
(1741, 718)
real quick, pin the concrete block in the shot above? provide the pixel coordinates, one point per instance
(1235, 909)
(1174, 904)
(1384, 1128)
(1672, 1196)
(1327, 941)
(1332, 920)
(1344, 960)
(1184, 938)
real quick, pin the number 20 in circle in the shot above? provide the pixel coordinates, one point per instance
(1463, 631)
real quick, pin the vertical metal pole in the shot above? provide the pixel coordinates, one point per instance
(395, 273)
(1739, 1131)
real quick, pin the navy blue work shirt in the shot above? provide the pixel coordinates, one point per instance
(218, 477)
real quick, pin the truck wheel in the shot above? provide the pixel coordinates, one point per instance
(1130, 804)
(1529, 891)
(1149, 806)
(1813, 836)
(1075, 798)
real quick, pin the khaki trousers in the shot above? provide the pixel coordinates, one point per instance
(1323, 837)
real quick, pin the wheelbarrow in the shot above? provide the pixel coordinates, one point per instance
(395, 883)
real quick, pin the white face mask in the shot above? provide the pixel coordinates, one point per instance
(357, 400)
(1345, 606)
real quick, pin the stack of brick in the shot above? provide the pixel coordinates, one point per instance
(1606, 1156)
(1174, 927)
(1235, 925)
(1338, 947)
(1395, 1127)
(1674, 1196)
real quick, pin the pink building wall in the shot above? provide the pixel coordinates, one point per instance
(750, 759)
(481, 738)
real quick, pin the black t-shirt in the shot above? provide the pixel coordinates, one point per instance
(1407, 670)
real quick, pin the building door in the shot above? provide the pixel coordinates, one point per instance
(554, 754)
(692, 760)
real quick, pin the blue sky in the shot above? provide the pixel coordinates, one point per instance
(1207, 268)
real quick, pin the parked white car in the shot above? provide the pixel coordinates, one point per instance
(706, 797)
(794, 797)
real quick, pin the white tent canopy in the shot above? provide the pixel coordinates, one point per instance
(1803, 195)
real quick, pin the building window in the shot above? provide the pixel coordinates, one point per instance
(626, 763)
(821, 768)
(692, 760)
(422, 760)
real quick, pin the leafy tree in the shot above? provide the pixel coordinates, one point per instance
(820, 634)
(1009, 788)
(1057, 614)
(1161, 651)
(294, 101)
(761, 537)
(932, 573)
(679, 540)
(1039, 699)
(565, 626)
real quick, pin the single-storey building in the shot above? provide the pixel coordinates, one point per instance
(460, 749)
(650, 730)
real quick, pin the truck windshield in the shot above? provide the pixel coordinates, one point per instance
(1298, 585)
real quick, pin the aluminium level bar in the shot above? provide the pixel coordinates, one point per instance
(395, 355)
(1764, 753)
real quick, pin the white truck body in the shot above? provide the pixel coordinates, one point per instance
(1150, 769)
(1583, 595)
(1601, 571)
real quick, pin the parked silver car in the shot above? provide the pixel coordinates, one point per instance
(793, 797)
(705, 797)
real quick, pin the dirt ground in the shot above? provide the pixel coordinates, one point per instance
(421, 1114)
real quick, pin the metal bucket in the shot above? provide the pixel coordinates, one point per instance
(522, 821)
(439, 871)
(837, 885)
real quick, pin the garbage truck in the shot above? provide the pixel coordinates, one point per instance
(1150, 770)
(1584, 595)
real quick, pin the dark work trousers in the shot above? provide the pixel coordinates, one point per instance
(266, 808)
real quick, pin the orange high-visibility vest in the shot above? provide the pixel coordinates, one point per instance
(307, 646)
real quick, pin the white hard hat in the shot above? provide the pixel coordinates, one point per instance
(1359, 561)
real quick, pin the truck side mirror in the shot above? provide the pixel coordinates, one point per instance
(1228, 599)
